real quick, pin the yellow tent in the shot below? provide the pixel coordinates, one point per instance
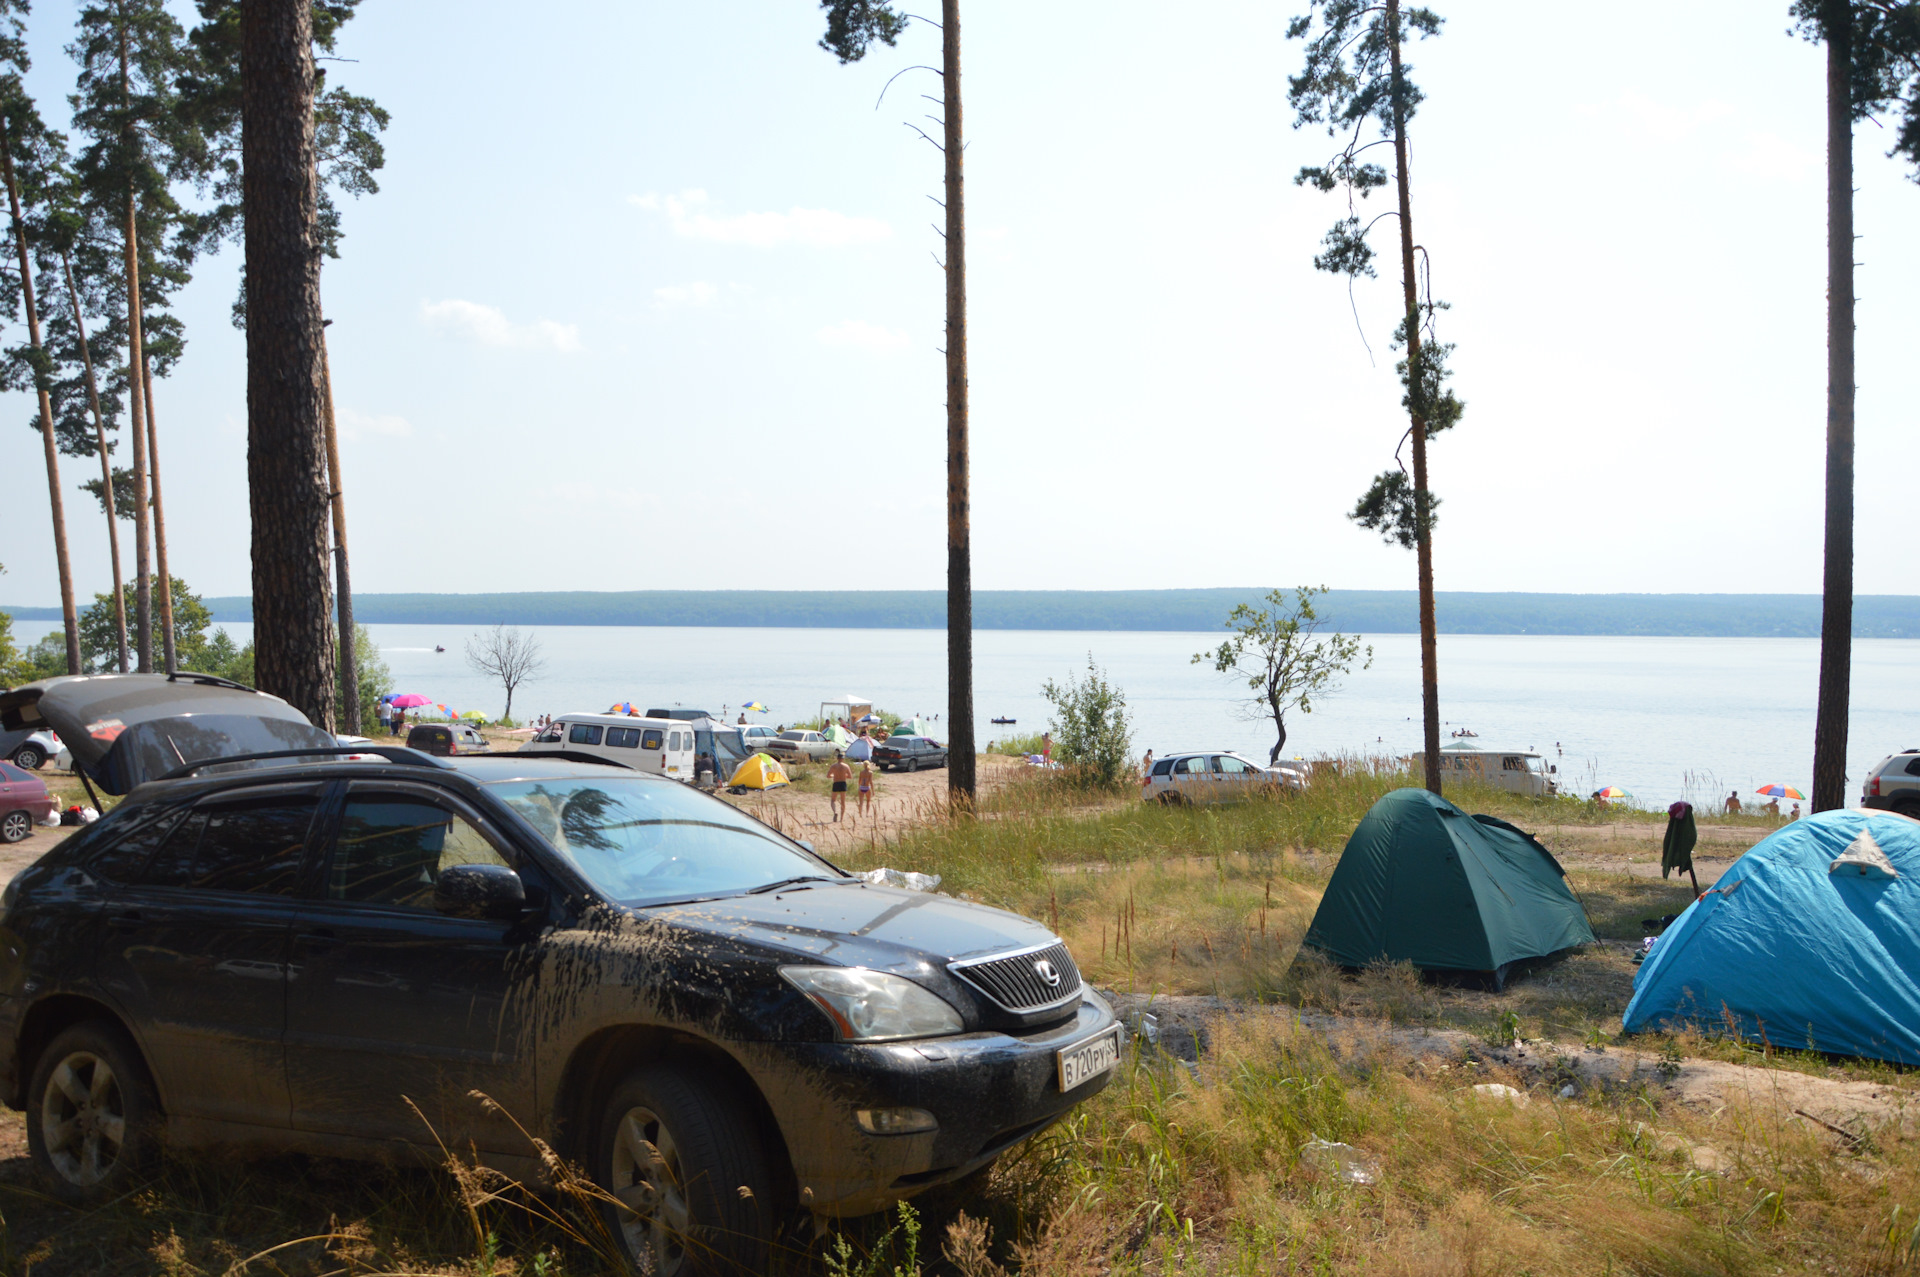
(759, 771)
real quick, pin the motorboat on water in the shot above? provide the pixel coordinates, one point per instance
(1002, 722)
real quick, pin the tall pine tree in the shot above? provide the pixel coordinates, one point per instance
(852, 27)
(1355, 77)
(1873, 68)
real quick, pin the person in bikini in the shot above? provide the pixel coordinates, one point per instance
(839, 774)
(866, 788)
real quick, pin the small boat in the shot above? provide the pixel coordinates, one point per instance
(438, 648)
(1002, 722)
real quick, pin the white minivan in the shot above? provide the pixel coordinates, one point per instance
(1515, 770)
(659, 745)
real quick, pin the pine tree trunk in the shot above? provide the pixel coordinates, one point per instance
(106, 464)
(960, 749)
(1422, 503)
(69, 618)
(142, 548)
(342, 584)
(172, 657)
(294, 645)
(1836, 605)
(136, 410)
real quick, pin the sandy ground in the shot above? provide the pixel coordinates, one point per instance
(902, 801)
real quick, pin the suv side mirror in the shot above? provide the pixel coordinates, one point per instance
(486, 893)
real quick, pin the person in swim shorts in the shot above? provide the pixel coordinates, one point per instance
(866, 788)
(839, 774)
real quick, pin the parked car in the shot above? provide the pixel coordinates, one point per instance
(24, 802)
(445, 739)
(812, 747)
(30, 750)
(909, 753)
(1894, 784)
(1518, 771)
(1215, 777)
(282, 954)
(757, 736)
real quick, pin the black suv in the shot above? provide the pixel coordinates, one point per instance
(338, 956)
(909, 753)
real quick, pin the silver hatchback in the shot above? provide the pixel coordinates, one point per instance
(1211, 777)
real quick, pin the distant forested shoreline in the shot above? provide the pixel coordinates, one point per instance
(1356, 611)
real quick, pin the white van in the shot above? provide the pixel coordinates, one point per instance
(659, 745)
(1517, 771)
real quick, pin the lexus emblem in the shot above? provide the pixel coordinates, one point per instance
(1045, 971)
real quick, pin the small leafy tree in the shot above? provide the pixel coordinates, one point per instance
(506, 654)
(100, 633)
(1275, 650)
(1091, 731)
(374, 680)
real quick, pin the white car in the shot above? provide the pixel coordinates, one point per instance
(757, 736)
(811, 747)
(33, 752)
(1215, 778)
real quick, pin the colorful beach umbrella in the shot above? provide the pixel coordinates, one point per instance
(1611, 791)
(754, 707)
(1780, 791)
(411, 700)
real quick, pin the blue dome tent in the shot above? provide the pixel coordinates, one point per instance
(1811, 941)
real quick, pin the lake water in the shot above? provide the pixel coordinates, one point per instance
(1660, 717)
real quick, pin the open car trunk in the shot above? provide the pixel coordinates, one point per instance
(125, 729)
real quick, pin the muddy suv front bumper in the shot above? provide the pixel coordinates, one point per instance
(988, 1092)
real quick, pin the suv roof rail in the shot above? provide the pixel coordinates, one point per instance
(209, 680)
(392, 753)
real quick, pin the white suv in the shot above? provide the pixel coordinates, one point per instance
(1894, 784)
(1215, 778)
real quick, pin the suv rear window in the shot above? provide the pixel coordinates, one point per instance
(651, 740)
(253, 844)
(1913, 767)
(1163, 767)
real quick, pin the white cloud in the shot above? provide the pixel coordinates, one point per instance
(355, 425)
(698, 293)
(1658, 119)
(1771, 156)
(489, 327)
(860, 335)
(815, 227)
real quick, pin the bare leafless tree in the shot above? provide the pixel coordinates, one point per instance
(505, 653)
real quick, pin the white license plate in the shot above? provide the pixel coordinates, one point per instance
(1088, 1060)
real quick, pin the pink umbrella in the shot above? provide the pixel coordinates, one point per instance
(411, 701)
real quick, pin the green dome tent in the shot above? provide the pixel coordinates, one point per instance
(1423, 882)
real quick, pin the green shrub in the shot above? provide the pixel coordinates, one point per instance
(1091, 732)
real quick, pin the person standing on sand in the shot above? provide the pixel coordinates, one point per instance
(839, 774)
(1733, 803)
(866, 789)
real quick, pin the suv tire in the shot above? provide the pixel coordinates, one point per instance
(690, 1178)
(92, 1121)
(1906, 807)
(31, 757)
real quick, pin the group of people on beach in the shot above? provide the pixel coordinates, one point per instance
(841, 774)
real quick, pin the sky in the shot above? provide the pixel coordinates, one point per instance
(650, 298)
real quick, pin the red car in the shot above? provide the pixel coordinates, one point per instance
(24, 802)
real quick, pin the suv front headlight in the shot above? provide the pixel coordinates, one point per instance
(872, 1006)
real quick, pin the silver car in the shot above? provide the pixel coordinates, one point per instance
(811, 747)
(1211, 777)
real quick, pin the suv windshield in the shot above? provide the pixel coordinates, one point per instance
(642, 842)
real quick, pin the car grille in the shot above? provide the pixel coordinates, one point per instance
(1014, 981)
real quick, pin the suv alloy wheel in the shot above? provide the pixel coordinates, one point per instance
(90, 1114)
(689, 1176)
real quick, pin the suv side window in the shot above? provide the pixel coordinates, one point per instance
(623, 737)
(1192, 766)
(584, 734)
(392, 848)
(1229, 765)
(1163, 767)
(247, 842)
(1913, 766)
(652, 739)
(123, 861)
